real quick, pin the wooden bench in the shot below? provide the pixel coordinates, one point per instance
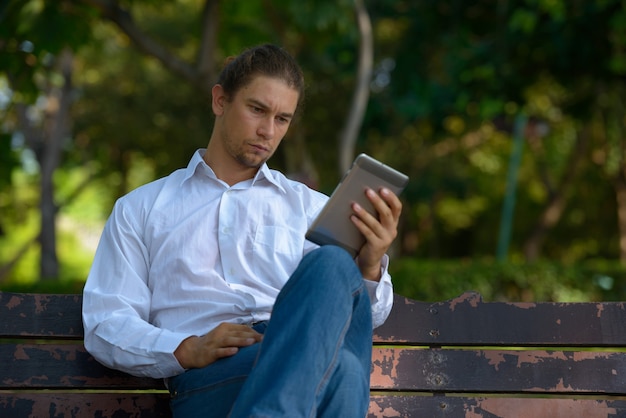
(459, 358)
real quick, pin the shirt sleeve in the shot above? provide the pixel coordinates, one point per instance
(381, 294)
(116, 305)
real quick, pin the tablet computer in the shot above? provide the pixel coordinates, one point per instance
(333, 224)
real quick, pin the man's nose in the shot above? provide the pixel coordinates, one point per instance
(266, 128)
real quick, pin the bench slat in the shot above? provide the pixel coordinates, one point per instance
(505, 407)
(151, 405)
(499, 371)
(488, 371)
(54, 366)
(102, 405)
(467, 320)
(27, 315)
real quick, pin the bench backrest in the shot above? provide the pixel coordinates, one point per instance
(453, 358)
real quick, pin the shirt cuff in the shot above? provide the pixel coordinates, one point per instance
(166, 361)
(381, 294)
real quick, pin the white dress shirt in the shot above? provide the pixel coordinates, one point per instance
(184, 253)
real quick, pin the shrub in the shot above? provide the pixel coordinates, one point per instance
(436, 280)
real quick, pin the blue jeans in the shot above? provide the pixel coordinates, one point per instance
(314, 360)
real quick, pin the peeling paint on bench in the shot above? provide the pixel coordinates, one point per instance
(459, 358)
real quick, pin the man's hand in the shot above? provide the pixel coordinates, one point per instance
(379, 233)
(223, 341)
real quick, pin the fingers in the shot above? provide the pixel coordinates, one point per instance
(387, 205)
(228, 335)
(384, 226)
(225, 352)
(223, 341)
(235, 336)
(379, 231)
(227, 339)
(240, 338)
(393, 203)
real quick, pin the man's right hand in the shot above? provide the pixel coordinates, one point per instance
(223, 341)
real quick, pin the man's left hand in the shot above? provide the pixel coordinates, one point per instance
(379, 232)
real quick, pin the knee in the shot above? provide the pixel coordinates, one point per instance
(331, 262)
(325, 274)
(331, 254)
(347, 392)
(351, 370)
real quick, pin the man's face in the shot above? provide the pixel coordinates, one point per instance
(254, 121)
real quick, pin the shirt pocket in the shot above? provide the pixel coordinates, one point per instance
(273, 239)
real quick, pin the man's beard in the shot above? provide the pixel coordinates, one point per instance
(251, 161)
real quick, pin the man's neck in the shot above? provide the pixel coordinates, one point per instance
(228, 171)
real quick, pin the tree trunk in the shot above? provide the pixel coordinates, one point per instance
(55, 130)
(46, 140)
(620, 193)
(208, 44)
(619, 181)
(556, 204)
(360, 98)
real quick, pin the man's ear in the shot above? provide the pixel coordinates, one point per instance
(218, 99)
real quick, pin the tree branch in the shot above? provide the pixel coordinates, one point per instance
(112, 11)
(6, 268)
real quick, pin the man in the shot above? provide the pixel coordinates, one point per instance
(204, 277)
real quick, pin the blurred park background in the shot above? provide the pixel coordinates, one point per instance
(509, 116)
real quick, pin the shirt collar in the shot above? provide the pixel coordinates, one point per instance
(265, 173)
(197, 163)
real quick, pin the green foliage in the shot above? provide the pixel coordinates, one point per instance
(460, 73)
(434, 280)
(449, 81)
(32, 32)
(146, 114)
(429, 280)
(45, 286)
(79, 225)
(75, 257)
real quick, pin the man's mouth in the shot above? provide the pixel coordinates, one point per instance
(260, 148)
